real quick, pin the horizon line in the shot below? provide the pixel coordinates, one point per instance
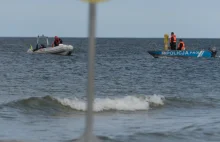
(110, 37)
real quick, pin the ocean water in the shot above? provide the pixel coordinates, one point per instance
(137, 97)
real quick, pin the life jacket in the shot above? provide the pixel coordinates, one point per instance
(174, 38)
(56, 42)
(183, 47)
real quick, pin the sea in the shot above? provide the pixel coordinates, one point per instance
(138, 98)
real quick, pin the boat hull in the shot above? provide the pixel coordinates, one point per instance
(182, 53)
(62, 49)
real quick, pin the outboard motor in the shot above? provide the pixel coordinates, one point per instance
(213, 50)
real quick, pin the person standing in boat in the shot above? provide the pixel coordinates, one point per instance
(173, 41)
(181, 45)
(57, 41)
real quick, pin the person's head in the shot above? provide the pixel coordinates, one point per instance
(56, 37)
(180, 40)
(172, 33)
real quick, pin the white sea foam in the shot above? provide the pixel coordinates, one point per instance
(127, 103)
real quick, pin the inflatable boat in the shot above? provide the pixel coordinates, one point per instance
(208, 53)
(62, 49)
(185, 53)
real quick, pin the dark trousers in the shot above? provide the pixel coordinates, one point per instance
(173, 46)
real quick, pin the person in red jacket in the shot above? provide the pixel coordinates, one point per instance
(57, 41)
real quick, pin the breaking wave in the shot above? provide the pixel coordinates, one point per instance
(127, 103)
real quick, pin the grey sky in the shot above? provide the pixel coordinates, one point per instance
(116, 18)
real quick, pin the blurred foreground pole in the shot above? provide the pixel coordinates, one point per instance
(88, 134)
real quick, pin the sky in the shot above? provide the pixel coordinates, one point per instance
(115, 18)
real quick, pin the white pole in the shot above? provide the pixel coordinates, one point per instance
(88, 134)
(91, 64)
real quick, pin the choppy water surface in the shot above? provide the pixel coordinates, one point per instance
(138, 98)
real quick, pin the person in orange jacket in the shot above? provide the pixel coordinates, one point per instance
(181, 45)
(173, 41)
